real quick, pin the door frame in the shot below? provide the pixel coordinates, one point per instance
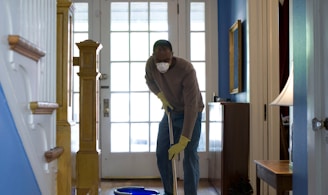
(263, 72)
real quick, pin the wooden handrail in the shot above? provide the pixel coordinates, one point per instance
(43, 107)
(53, 153)
(25, 47)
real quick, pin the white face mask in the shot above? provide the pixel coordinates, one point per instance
(162, 66)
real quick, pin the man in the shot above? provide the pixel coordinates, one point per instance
(174, 81)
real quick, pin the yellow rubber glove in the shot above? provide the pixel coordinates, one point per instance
(166, 104)
(177, 148)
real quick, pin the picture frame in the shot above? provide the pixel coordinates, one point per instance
(235, 57)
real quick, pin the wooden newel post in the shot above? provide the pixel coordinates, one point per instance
(87, 158)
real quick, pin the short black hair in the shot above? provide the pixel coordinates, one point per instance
(162, 42)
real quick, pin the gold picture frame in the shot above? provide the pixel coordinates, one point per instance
(235, 57)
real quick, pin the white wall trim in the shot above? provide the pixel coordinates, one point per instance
(262, 59)
(273, 79)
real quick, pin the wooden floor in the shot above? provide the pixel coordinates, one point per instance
(108, 186)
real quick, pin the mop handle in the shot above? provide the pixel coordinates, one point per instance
(174, 170)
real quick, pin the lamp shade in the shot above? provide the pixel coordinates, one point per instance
(285, 98)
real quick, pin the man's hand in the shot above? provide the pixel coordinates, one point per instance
(166, 104)
(177, 148)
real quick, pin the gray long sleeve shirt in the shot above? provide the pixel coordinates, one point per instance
(180, 87)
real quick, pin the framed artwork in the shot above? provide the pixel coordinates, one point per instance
(235, 57)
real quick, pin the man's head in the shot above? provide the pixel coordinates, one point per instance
(162, 52)
(162, 43)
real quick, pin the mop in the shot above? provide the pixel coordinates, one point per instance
(175, 181)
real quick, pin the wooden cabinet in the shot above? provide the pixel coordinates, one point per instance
(228, 144)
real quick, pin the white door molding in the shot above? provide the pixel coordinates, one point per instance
(263, 71)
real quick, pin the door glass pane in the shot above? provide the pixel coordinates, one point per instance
(139, 46)
(197, 46)
(139, 16)
(119, 105)
(156, 111)
(76, 79)
(119, 76)
(215, 137)
(139, 137)
(153, 136)
(158, 16)
(81, 17)
(139, 107)
(138, 81)
(200, 72)
(204, 111)
(197, 16)
(76, 106)
(119, 45)
(119, 16)
(202, 140)
(119, 137)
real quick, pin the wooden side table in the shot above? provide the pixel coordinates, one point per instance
(276, 173)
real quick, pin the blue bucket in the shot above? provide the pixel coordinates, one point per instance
(134, 190)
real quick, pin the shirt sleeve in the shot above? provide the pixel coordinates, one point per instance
(191, 95)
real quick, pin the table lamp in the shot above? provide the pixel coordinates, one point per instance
(285, 98)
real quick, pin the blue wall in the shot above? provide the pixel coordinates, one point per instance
(300, 182)
(228, 13)
(16, 176)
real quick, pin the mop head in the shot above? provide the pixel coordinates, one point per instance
(134, 190)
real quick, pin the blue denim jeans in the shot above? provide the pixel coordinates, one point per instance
(191, 159)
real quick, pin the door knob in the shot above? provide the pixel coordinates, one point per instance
(319, 124)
